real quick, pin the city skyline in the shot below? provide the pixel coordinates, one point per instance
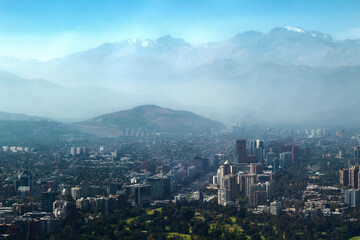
(159, 119)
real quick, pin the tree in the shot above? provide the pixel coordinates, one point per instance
(201, 228)
(187, 213)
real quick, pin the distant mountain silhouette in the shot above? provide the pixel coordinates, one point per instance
(4, 116)
(152, 118)
(39, 97)
(286, 75)
(25, 132)
(159, 59)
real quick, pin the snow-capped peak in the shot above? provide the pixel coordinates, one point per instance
(295, 29)
(145, 43)
(137, 41)
(132, 40)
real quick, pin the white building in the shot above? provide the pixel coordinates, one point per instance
(275, 208)
(224, 195)
(76, 192)
(60, 208)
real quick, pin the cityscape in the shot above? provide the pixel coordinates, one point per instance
(308, 176)
(179, 120)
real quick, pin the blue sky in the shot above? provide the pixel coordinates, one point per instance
(46, 29)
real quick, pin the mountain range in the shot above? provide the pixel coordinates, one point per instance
(4, 116)
(286, 75)
(139, 121)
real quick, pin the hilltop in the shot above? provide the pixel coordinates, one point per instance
(152, 118)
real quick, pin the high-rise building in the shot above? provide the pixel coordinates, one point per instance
(340, 155)
(241, 150)
(295, 154)
(353, 176)
(241, 181)
(340, 133)
(344, 177)
(270, 189)
(47, 200)
(256, 168)
(218, 176)
(352, 197)
(160, 186)
(249, 159)
(252, 147)
(76, 192)
(259, 155)
(356, 153)
(224, 196)
(259, 150)
(141, 193)
(347, 196)
(249, 180)
(325, 132)
(215, 161)
(260, 197)
(275, 208)
(285, 159)
(270, 157)
(78, 151)
(215, 179)
(276, 165)
(260, 144)
(201, 164)
(23, 178)
(81, 151)
(73, 151)
(232, 169)
(251, 194)
(257, 194)
(101, 149)
(225, 169)
(229, 182)
(60, 208)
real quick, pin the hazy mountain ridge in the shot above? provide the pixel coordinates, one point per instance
(288, 74)
(19, 128)
(42, 98)
(5, 116)
(151, 118)
(20, 132)
(134, 58)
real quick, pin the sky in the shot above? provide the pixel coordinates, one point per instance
(44, 29)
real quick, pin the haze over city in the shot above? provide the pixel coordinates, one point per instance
(177, 120)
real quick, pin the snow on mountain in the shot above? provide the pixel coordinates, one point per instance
(252, 69)
(295, 29)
